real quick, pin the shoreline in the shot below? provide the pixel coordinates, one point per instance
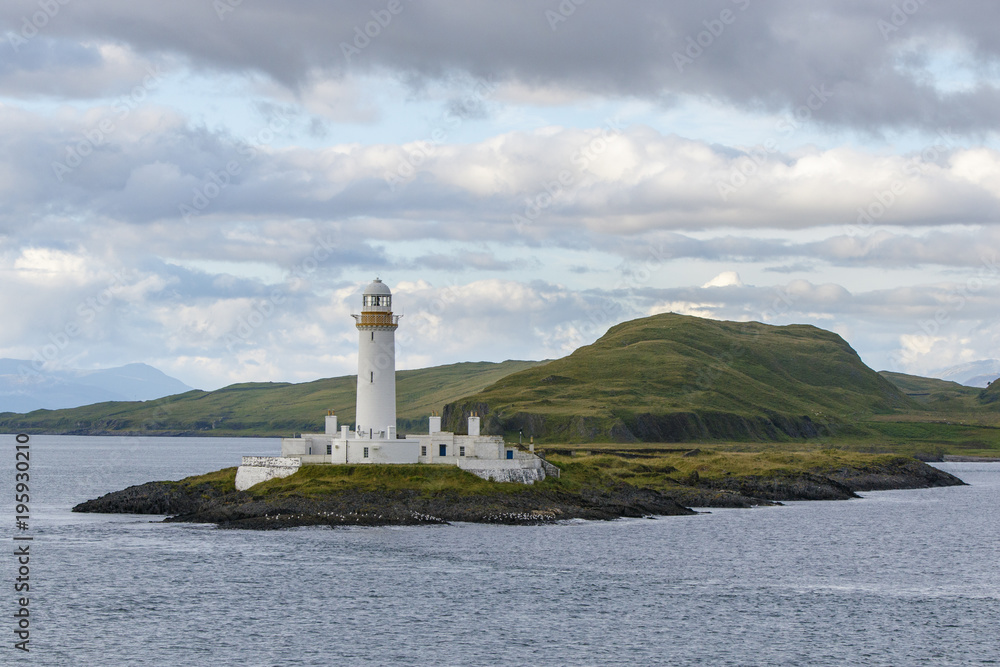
(949, 458)
(372, 495)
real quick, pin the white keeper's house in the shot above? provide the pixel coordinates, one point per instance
(374, 438)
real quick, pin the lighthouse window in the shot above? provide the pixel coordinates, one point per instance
(378, 300)
(366, 452)
(373, 377)
(373, 335)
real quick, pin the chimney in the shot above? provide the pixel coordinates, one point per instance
(331, 423)
(473, 425)
(435, 424)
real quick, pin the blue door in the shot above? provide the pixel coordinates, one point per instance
(442, 450)
(510, 453)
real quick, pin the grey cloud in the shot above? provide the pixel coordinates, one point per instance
(771, 55)
(798, 267)
(960, 249)
(482, 261)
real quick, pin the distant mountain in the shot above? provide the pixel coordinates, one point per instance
(23, 388)
(267, 408)
(973, 374)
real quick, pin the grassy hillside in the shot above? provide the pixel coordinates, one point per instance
(267, 408)
(934, 393)
(671, 378)
(656, 381)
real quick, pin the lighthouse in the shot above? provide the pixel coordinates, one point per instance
(376, 403)
(374, 438)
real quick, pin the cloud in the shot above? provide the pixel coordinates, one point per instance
(91, 68)
(550, 183)
(222, 235)
(875, 60)
(725, 279)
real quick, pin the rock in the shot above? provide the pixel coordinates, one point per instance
(349, 507)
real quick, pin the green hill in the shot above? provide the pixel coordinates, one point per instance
(662, 379)
(991, 394)
(671, 378)
(934, 393)
(266, 408)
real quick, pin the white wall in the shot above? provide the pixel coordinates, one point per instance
(384, 451)
(376, 399)
(257, 469)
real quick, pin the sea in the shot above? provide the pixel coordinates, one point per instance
(894, 578)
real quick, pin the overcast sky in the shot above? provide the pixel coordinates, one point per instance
(207, 186)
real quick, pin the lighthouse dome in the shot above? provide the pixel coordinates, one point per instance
(377, 297)
(377, 287)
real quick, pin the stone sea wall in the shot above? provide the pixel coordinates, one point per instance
(257, 469)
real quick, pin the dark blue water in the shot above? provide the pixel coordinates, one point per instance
(897, 578)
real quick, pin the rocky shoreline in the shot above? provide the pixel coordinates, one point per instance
(212, 502)
(240, 509)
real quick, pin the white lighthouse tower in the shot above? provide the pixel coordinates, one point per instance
(376, 405)
(374, 439)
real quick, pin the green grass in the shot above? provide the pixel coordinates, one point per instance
(688, 379)
(659, 382)
(221, 480)
(313, 481)
(267, 408)
(661, 471)
(666, 471)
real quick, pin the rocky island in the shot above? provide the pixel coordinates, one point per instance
(592, 486)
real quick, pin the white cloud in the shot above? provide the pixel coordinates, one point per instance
(725, 279)
(528, 228)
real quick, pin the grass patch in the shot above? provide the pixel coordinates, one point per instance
(664, 471)
(661, 470)
(312, 481)
(221, 480)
